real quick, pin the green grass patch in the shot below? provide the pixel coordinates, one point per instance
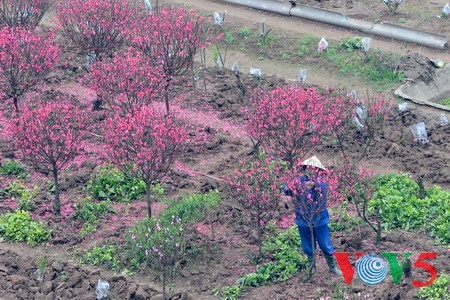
(445, 102)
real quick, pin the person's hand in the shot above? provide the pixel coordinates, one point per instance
(309, 184)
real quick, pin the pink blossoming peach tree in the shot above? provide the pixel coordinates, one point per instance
(126, 82)
(23, 13)
(26, 58)
(256, 188)
(146, 143)
(289, 121)
(170, 39)
(97, 27)
(50, 136)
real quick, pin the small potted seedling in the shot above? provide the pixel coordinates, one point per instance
(41, 265)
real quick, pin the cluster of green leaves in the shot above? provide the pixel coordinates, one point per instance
(189, 211)
(445, 101)
(102, 255)
(307, 45)
(90, 212)
(11, 167)
(346, 221)
(397, 200)
(281, 251)
(438, 290)
(192, 209)
(18, 227)
(17, 191)
(245, 32)
(351, 44)
(116, 185)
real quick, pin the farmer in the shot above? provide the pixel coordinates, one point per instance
(310, 193)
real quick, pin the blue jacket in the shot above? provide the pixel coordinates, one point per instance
(317, 208)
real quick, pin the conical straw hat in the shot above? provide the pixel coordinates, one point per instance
(313, 162)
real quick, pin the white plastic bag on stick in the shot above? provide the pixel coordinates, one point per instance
(102, 289)
(446, 9)
(402, 107)
(255, 72)
(302, 75)
(356, 122)
(219, 19)
(366, 42)
(443, 120)
(419, 132)
(323, 44)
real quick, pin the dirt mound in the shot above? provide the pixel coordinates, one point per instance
(64, 280)
(417, 68)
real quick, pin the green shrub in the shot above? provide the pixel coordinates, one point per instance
(439, 212)
(18, 227)
(102, 255)
(397, 200)
(281, 249)
(189, 211)
(346, 221)
(438, 290)
(19, 192)
(116, 185)
(150, 238)
(14, 168)
(90, 212)
(193, 208)
(351, 44)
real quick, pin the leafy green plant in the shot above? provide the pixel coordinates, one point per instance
(397, 198)
(346, 221)
(103, 255)
(281, 249)
(63, 277)
(438, 290)
(445, 101)
(192, 209)
(229, 37)
(265, 40)
(244, 32)
(19, 192)
(116, 185)
(89, 212)
(350, 44)
(306, 45)
(42, 263)
(18, 227)
(11, 167)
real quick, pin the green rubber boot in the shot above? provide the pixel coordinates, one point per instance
(333, 268)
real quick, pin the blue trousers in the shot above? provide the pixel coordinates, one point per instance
(321, 237)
